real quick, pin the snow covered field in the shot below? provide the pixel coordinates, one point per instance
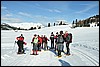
(84, 48)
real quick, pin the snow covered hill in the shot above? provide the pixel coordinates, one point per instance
(24, 25)
(84, 48)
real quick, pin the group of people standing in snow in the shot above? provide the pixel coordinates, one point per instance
(59, 39)
(38, 43)
(41, 42)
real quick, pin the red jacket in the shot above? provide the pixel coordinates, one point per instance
(65, 35)
(20, 38)
(55, 36)
(45, 39)
(40, 39)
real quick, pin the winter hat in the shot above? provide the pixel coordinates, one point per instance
(61, 32)
(38, 35)
(34, 34)
(51, 32)
(21, 34)
(56, 32)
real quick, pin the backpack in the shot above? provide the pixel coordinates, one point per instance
(35, 40)
(60, 39)
(69, 38)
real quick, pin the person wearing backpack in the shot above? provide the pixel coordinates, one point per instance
(68, 40)
(60, 42)
(52, 40)
(20, 42)
(45, 39)
(35, 43)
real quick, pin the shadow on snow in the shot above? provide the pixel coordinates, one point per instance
(64, 63)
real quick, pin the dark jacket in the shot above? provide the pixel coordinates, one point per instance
(20, 40)
(52, 37)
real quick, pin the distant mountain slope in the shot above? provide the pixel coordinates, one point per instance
(21, 26)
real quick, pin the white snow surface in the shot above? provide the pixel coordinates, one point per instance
(84, 48)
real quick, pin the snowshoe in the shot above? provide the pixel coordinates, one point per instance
(39, 50)
(19, 53)
(36, 54)
(32, 54)
(24, 53)
(59, 56)
(67, 54)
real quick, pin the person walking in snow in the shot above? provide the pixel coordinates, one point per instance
(42, 41)
(61, 32)
(55, 37)
(39, 43)
(60, 42)
(20, 42)
(45, 39)
(68, 40)
(35, 43)
(52, 40)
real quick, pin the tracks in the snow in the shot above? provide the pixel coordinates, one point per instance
(91, 59)
(18, 60)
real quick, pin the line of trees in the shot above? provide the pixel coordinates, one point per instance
(86, 22)
(61, 23)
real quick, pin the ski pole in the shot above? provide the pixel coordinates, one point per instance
(14, 45)
(30, 47)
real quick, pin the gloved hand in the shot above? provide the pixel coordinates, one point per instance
(25, 43)
(31, 42)
(15, 41)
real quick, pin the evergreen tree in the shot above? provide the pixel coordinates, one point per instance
(60, 23)
(31, 28)
(48, 24)
(19, 28)
(39, 27)
(73, 22)
(76, 22)
(54, 24)
(34, 28)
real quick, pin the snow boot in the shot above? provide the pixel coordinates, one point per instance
(47, 47)
(36, 52)
(33, 52)
(59, 53)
